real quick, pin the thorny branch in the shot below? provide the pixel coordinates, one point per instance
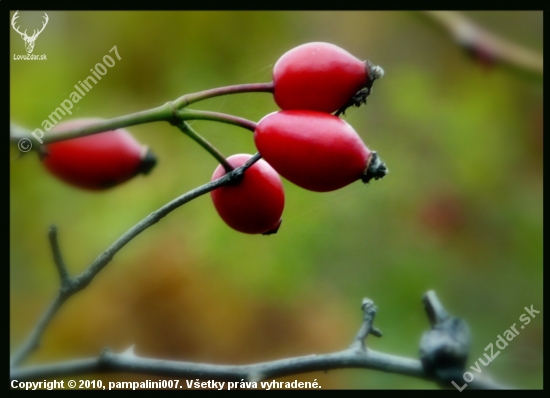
(356, 356)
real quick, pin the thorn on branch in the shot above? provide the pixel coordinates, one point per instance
(255, 376)
(444, 349)
(369, 312)
(129, 352)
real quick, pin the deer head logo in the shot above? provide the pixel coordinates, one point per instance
(29, 40)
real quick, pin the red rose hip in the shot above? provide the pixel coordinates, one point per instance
(315, 150)
(97, 161)
(255, 203)
(320, 76)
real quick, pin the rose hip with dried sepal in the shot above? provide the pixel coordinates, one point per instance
(98, 161)
(323, 77)
(316, 150)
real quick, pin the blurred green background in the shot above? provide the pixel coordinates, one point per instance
(460, 211)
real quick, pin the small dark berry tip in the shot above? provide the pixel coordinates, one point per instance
(148, 161)
(43, 152)
(374, 72)
(376, 169)
(274, 229)
(358, 98)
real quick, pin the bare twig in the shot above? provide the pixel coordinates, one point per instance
(485, 44)
(445, 347)
(189, 99)
(369, 310)
(67, 284)
(354, 357)
(33, 341)
(70, 286)
(110, 362)
(57, 257)
(357, 356)
(193, 114)
(205, 144)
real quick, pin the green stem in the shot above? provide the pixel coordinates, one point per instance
(164, 112)
(211, 149)
(167, 112)
(191, 114)
(188, 99)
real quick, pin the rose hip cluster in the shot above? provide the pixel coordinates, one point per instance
(303, 142)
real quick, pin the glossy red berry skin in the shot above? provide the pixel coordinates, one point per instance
(254, 204)
(97, 161)
(318, 76)
(314, 150)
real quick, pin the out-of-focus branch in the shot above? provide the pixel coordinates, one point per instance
(356, 356)
(72, 285)
(110, 362)
(486, 45)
